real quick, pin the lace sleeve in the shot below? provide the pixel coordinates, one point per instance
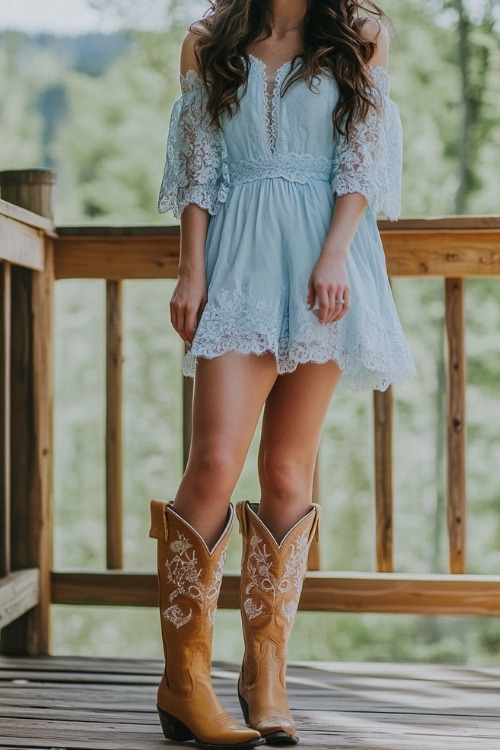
(196, 169)
(370, 161)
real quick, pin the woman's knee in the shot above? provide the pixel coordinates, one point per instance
(216, 466)
(284, 475)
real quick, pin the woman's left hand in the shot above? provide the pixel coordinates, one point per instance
(329, 286)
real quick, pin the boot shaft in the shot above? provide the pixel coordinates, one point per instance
(272, 574)
(189, 575)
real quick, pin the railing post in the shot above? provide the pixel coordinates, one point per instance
(5, 344)
(383, 409)
(456, 420)
(31, 410)
(114, 399)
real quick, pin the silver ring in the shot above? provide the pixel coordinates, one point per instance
(339, 302)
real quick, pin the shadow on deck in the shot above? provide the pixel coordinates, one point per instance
(109, 704)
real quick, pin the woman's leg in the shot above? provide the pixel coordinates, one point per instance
(276, 543)
(229, 394)
(291, 430)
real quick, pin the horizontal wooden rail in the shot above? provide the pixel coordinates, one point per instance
(457, 247)
(389, 593)
(22, 215)
(133, 253)
(19, 592)
(21, 244)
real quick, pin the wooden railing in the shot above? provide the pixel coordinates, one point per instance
(26, 255)
(449, 248)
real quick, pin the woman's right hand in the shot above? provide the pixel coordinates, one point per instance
(187, 303)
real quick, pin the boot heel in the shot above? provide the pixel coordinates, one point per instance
(173, 729)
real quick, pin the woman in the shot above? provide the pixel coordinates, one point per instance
(281, 151)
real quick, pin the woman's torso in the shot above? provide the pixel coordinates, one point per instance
(275, 131)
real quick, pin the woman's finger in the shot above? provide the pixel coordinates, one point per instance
(190, 318)
(174, 317)
(338, 301)
(311, 294)
(342, 305)
(324, 305)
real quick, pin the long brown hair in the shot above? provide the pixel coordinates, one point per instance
(333, 44)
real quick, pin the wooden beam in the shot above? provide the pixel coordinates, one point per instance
(113, 587)
(434, 223)
(420, 223)
(19, 593)
(114, 397)
(393, 593)
(146, 257)
(11, 211)
(323, 592)
(5, 343)
(456, 253)
(31, 410)
(455, 249)
(456, 421)
(32, 448)
(21, 244)
(40, 509)
(383, 410)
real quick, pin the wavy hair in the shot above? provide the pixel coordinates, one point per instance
(333, 43)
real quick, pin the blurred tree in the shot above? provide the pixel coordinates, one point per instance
(476, 55)
(153, 14)
(111, 147)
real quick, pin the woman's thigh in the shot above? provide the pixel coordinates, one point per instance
(229, 394)
(293, 418)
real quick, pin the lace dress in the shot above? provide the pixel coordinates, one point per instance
(269, 179)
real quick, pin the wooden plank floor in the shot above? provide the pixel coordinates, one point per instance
(107, 704)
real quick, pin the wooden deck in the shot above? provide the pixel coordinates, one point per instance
(107, 704)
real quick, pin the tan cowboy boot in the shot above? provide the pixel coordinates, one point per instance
(189, 578)
(271, 583)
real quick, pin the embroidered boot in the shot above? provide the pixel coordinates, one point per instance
(189, 578)
(271, 583)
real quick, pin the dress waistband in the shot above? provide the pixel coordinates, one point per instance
(292, 167)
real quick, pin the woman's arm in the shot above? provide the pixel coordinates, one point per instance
(190, 292)
(329, 280)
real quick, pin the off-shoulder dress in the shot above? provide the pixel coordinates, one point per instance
(269, 178)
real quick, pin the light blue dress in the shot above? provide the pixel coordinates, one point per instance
(268, 178)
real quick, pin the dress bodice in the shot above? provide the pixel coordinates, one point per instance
(281, 134)
(267, 123)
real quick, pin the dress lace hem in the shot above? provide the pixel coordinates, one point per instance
(362, 344)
